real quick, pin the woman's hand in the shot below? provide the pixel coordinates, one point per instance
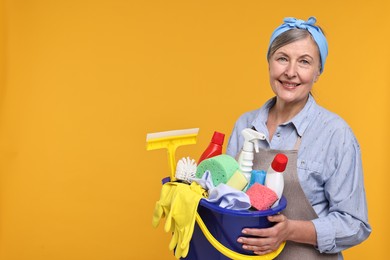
(266, 240)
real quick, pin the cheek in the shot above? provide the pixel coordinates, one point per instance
(272, 77)
(309, 76)
(274, 71)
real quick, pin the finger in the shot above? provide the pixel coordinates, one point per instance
(263, 252)
(277, 218)
(174, 240)
(157, 214)
(258, 241)
(260, 250)
(258, 232)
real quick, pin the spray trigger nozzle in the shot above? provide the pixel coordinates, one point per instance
(251, 142)
(251, 139)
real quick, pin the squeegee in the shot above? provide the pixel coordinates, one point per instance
(170, 140)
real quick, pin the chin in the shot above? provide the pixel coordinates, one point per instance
(291, 97)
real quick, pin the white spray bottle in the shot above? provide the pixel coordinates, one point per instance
(251, 142)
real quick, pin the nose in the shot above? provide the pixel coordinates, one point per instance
(291, 70)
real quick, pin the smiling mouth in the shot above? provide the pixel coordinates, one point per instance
(289, 84)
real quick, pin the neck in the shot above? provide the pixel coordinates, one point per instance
(282, 112)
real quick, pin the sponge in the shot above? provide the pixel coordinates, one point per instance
(261, 197)
(222, 167)
(237, 181)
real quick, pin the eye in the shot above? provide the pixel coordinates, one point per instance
(305, 62)
(282, 59)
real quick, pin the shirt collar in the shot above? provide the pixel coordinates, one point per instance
(300, 121)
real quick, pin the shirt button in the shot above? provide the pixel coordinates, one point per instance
(277, 134)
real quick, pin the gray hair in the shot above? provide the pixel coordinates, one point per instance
(286, 38)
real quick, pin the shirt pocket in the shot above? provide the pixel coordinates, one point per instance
(310, 172)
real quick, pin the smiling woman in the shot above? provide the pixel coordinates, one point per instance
(82, 82)
(293, 69)
(326, 211)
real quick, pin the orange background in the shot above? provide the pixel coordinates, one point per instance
(83, 82)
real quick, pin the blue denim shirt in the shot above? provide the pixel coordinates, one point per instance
(329, 170)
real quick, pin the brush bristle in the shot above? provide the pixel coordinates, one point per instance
(186, 169)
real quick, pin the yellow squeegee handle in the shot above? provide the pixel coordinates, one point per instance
(230, 253)
(172, 160)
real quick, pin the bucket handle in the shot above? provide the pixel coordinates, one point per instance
(230, 253)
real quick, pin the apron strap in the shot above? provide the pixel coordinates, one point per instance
(297, 143)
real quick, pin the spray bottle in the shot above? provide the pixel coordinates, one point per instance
(274, 178)
(251, 142)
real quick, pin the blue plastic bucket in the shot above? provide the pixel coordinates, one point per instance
(226, 225)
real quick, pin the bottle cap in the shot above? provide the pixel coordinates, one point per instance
(279, 163)
(218, 138)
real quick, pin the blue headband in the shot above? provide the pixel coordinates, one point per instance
(318, 35)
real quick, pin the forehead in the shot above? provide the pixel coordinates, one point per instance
(305, 46)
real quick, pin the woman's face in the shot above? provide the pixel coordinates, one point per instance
(293, 70)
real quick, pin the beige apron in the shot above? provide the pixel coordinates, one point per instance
(298, 206)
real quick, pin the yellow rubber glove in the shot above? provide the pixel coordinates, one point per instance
(163, 206)
(182, 215)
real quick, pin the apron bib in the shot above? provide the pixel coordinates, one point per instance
(298, 206)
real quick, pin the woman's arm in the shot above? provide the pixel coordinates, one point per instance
(268, 240)
(346, 222)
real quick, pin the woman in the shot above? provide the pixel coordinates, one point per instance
(326, 211)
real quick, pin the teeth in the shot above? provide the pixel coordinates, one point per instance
(290, 85)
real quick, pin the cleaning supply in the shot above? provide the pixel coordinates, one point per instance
(215, 249)
(251, 142)
(206, 181)
(237, 181)
(181, 218)
(185, 169)
(274, 178)
(222, 168)
(219, 226)
(163, 205)
(178, 203)
(214, 148)
(261, 197)
(257, 176)
(223, 195)
(170, 140)
(229, 198)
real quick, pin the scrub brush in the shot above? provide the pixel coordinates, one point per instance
(186, 169)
